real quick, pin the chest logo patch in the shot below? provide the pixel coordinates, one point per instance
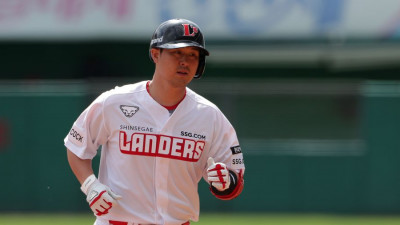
(129, 111)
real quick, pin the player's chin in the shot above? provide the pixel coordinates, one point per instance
(182, 81)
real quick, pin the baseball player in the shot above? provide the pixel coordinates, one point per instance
(158, 138)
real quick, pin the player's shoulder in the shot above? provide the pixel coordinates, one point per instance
(201, 101)
(129, 88)
(207, 108)
(122, 91)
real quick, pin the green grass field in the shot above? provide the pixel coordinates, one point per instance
(214, 219)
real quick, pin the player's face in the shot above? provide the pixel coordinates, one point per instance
(178, 65)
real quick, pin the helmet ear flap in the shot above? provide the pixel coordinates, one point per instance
(201, 66)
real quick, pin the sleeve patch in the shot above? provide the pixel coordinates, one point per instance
(76, 136)
(236, 150)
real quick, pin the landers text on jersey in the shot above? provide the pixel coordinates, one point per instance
(157, 145)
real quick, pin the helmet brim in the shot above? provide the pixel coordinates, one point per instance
(173, 45)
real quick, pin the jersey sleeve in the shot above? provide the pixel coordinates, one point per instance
(88, 132)
(225, 148)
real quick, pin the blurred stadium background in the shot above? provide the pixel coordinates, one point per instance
(312, 87)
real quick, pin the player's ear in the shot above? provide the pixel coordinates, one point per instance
(155, 54)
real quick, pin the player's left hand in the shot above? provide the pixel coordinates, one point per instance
(218, 175)
(99, 196)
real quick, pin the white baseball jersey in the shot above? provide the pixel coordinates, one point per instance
(154, 160)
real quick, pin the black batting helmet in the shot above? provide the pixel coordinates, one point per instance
(179, 33)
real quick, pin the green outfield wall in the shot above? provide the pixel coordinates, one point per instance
(309, 145)
(126, 59)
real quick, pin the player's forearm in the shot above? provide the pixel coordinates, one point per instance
(82, 168)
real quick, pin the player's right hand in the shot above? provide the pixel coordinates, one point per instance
(99, 196)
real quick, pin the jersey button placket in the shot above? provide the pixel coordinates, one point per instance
(161, 184)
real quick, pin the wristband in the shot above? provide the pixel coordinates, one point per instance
(87, 183)
(234, 189)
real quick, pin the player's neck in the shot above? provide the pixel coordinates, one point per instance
(165, 95)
